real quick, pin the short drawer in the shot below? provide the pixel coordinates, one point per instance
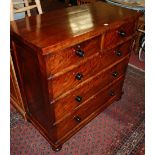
(64, 106)
(117, 35)
(57, 61)
(81, 114)
(71, 79)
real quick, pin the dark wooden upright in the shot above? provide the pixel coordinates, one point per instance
(71, 64)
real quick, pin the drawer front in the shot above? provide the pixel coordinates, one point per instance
(58, 131)
(60, 60)
(117, 53)
(69, 80)
(67, 104)
(115, 36)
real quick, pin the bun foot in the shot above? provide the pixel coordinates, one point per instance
(26, 118)
(57, 149)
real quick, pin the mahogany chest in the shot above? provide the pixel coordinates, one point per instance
(71, 65)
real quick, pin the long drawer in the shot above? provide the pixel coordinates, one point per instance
(119, 34)
(57, 61)
(61, 129)
(67, 104)
(63, 83)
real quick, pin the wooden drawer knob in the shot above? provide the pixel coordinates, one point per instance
(122, 33)
(79, 52)
(118, 53)
(78, 98)
(78, 119)
(79, 76)
(115, 74)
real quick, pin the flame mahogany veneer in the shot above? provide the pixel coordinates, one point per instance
(71, 65)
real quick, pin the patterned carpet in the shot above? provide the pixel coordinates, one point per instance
(135, 62)
(119, 130)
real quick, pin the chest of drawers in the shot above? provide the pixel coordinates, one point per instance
(71, 65)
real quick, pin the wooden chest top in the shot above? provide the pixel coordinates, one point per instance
(62, 28)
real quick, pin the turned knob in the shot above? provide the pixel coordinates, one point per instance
(78, 98)
(115, 74)
(122, 33)
(112, 93)
(118, 53)
(79, 76)
(79, 52)
(77, 118)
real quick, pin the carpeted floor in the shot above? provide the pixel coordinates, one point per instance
(135, 62)
(119, 130)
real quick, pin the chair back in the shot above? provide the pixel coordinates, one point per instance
(80, 2)
(18, 6)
